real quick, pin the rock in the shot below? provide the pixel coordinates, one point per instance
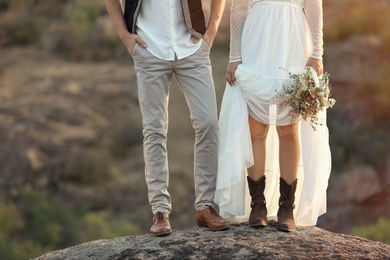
(355, 186)
(351, 60)
(240, 242)
(355, 198)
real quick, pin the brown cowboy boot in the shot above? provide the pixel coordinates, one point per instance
(286, 206)
(209, 218)
(258, 215)
(161, 225)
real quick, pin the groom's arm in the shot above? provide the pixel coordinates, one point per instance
(129, 40)
(216, 12)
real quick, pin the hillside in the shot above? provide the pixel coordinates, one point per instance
(71, 165)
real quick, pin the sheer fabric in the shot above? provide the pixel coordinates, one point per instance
(239, 12)
(270, 38)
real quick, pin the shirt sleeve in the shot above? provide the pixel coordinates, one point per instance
(238, 14)
(314, 17)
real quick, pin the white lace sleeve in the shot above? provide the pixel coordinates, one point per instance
(314, 17)
(238, 14)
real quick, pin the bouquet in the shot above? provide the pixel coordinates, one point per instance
(308, 94)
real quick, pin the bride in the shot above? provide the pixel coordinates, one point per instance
(259, 139)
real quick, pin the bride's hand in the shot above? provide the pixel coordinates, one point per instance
(317, 65)
(231, 69)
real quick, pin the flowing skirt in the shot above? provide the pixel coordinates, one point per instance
(275, 40)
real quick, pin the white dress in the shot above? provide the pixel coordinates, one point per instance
(269, 35)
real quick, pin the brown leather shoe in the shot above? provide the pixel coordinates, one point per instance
(161, 225)
(209, 218)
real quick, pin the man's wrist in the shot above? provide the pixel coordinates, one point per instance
(211, 32)
(124, 34)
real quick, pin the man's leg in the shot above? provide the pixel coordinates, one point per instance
(194, 76)
(154, 77)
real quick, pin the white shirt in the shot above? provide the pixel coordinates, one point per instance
(161, 25)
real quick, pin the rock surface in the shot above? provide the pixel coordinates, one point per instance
(240, 242)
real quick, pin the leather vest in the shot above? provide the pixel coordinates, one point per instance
(192, 13)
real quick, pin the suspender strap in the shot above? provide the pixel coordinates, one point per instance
(194, 17)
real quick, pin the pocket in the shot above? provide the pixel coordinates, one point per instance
(205, 44)
(135, 50)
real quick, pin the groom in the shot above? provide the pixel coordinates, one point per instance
(167, 37)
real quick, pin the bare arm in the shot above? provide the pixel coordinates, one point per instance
(129, 40)
(217, 7)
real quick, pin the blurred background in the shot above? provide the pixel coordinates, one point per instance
(71, 163)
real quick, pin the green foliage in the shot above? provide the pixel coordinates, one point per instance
(46, 220)
(18, 28)
(349, 150)
(23, 21)
(82, 35)
(89, 167)
(4, 4)
(11, 224)
(379, 231)
(85, 11)
(73, 26)
(118, 149)
(9, 219)
(43, 224)
(126, 135)
(80, 18)
(15, 249)
(98, 225)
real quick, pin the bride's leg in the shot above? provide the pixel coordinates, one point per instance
(289, 152)
(259, 133)
(256, 178)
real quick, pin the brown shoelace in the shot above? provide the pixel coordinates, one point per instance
(214, 212)
(160, 216)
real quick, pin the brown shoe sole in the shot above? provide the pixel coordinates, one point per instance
(161, 234)
(285, 229)
(201, 224)
(257, 225)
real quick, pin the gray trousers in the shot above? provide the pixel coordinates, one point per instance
(195, 79)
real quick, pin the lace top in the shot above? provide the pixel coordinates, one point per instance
(313, 14)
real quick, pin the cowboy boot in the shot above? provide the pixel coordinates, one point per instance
(286, 206)
(258, 215)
